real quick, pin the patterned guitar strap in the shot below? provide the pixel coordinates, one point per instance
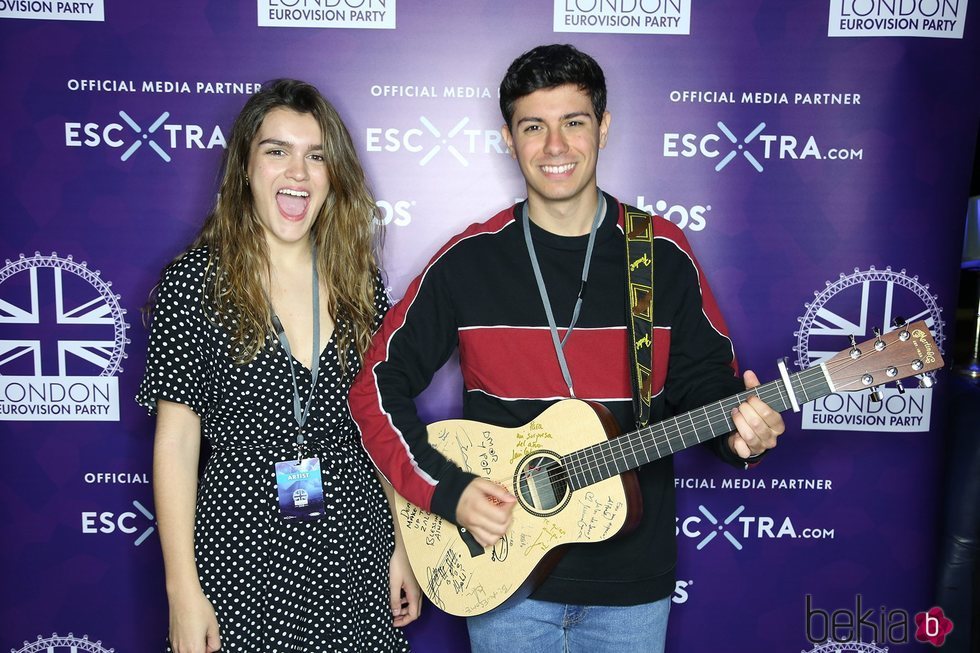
(639, 288)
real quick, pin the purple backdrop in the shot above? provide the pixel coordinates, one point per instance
(816, 153)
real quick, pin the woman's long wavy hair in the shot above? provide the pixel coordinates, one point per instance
(342, 230)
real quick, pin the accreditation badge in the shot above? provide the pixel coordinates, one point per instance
(300, 488)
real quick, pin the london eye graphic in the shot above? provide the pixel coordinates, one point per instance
(62, 644)
(847, 647)
(858, 303)
(51, 292)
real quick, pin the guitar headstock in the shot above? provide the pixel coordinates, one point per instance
(908, 350)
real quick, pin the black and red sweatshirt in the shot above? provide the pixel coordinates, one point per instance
(478, 294)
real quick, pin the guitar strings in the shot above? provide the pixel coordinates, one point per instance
(587, 459)
(614, 452)
(661, 436)
(809, 380)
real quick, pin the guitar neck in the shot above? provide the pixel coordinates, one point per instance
(630, 450)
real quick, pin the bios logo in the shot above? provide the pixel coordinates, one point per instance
(682, 591)
(458, 141)
(756, 147)
(158, 135)
(396, 213)
(692, 217)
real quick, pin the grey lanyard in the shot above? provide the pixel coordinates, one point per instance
(559, 344)
(301, 415)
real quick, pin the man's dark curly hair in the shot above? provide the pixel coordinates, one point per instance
(549, 66)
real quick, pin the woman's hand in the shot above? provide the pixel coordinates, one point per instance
(406, 595)
(193, 625)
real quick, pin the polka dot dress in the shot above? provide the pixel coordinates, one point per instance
(276, 586)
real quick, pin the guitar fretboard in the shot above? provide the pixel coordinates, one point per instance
(601, 461)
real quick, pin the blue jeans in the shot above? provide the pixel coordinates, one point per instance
(530, 626)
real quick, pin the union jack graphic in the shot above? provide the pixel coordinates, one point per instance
(49, 294)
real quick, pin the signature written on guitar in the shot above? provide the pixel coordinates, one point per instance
(451, 572)
(489, 455)
(597, 516)
(546, 537)
(529, 440)
(414, 518)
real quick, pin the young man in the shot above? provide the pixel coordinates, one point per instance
(505, 292)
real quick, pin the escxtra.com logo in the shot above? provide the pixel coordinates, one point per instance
(145, 136)
(127, 522)
(161, 136)
(460, 142)
(757, 147)
(738, 527)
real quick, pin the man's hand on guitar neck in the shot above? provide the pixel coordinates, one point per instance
(484, 509)
(757, 424)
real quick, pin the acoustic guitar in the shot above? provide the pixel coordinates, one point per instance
(570, 471)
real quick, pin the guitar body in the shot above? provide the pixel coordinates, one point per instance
(461, 577)
(570, 470)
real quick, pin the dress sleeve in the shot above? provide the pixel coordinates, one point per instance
(175, 361)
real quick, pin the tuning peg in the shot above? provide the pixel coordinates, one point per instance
(876, 394)
(898, 322)
(855, 353)
(925, 380)
(879, 343)
(900, 387)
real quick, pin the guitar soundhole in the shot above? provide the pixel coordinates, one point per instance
(541, 482)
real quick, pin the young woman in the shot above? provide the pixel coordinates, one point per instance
(286, 543)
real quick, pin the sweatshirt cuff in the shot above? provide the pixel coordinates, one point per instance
(445, 498)
(720, 445)
(751, 461)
